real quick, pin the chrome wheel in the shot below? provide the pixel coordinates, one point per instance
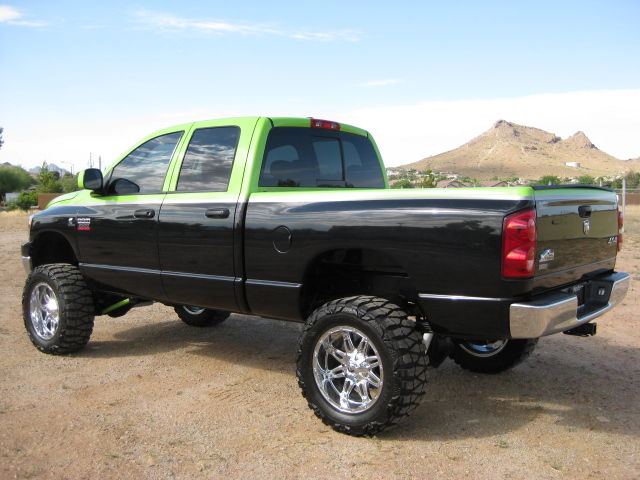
(347, 369)
(43, 311)
(193, 310)
(484, 349)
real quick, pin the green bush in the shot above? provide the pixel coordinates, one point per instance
(24, 201)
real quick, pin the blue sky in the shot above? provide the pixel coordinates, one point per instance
(80, 77)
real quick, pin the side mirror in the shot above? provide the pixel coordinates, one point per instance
(91, 179)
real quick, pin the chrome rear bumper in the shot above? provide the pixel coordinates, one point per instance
(557, 312)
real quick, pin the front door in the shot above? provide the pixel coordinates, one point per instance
(118, 231)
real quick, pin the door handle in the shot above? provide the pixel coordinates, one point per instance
(144, 213)
(217, 213)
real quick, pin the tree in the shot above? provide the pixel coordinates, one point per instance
(633, 179)
(69, 182)
(402, 184)
(429, 179)
(547, 180)
(13, 179)
(48, 180)
(586, 180)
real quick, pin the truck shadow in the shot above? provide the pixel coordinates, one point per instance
(570, 383)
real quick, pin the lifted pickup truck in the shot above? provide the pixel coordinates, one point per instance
(292, 218)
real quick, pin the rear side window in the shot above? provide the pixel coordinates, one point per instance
(147, 165)
(208, 160)
(306, 157)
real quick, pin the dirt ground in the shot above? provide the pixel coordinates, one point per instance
(153, 398)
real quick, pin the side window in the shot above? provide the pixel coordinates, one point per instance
(306, 157)
(208, 160)
(144, 169)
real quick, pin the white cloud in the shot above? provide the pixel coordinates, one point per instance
(379, 83)
(167, 22)
(11, 15)
(407, 133)
(8, 13)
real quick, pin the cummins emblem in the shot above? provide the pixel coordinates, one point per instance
(547, 256)
(586, 226)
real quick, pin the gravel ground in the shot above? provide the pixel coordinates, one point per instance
(153, 398)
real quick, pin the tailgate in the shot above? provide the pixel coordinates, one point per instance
(577, 231)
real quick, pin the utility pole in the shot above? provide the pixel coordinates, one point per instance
(99, 162)
(624, 194)
(90, 161)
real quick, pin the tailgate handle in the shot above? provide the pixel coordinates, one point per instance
(217, 213)
(584, 211)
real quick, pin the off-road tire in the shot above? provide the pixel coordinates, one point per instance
(76, 309)
(205, 318)
(513, 353)
(402, 355)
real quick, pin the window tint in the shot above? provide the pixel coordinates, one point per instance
(327, 151)
(208, 160)
(305, 157)
(146, 166)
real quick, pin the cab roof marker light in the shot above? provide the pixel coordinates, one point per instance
(329, 125)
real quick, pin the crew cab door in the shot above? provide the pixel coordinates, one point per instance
(199, 217)
(117, 231)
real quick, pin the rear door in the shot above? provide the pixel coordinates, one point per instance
(577, 231)
(199, 217)
(117, 231)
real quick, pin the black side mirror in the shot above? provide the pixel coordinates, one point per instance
(91, 179)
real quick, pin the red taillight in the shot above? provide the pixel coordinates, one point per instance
(519, 244)
(317, 123)
(620, 229)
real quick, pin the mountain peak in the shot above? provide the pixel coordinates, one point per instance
(579, 140)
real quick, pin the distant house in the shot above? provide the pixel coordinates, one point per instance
(493, 183)
(450, 183)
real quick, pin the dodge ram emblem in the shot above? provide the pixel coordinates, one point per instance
(586, 226)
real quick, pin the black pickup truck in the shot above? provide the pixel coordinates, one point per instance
(292, 218)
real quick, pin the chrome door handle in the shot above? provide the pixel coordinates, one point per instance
(144, 213)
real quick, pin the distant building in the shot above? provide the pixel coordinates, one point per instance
(450, 183)
(573, 164)
(493, 183)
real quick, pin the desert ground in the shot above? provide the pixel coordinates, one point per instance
(153, 398)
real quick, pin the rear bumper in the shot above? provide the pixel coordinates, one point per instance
(559, 311)
(493, 318)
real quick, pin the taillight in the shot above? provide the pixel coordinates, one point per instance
(620, 229)
(519, 244)
(317, 123)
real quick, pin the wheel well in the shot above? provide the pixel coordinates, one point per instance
(355, 271)
(52, 247)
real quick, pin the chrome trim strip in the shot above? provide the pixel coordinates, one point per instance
(201, 276)
(558, 312)
(26, 264)
(427, 296)
(120, 269)
(149, 271)
(272, 283)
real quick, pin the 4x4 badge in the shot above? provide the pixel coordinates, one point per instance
(586, 226)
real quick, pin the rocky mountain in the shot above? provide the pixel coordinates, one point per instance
(511, 150)
(52, 167)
